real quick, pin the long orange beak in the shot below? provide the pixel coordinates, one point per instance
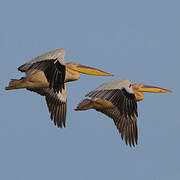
(87, 70)
(153, 89)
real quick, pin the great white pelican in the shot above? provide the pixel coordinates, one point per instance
(47, 75)
(118, 100)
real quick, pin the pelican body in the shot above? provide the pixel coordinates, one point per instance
(47, 75)
(118, 100)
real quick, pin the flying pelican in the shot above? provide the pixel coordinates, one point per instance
(47, 75)
(118, 100)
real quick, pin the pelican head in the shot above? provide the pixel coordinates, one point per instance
(139, 88)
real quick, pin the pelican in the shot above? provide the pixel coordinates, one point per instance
(47, 75)
(118, 100)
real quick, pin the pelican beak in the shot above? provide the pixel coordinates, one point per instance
(153, 89)
(87, 70)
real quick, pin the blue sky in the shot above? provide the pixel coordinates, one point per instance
(139, 40)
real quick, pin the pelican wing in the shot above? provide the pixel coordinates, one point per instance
(56, 103)
(53, 66)
(125, 125)
(120, 94)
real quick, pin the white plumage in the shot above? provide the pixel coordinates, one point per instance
(55, 54)
(118, 84)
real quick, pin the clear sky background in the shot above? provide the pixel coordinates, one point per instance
(138, 40)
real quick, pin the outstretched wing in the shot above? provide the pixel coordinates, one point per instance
(56, 102)
(53, 66)
(126, 126)
(121, 95)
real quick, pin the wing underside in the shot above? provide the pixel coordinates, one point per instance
(124, 114)
(56, 103)
(127, 127)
